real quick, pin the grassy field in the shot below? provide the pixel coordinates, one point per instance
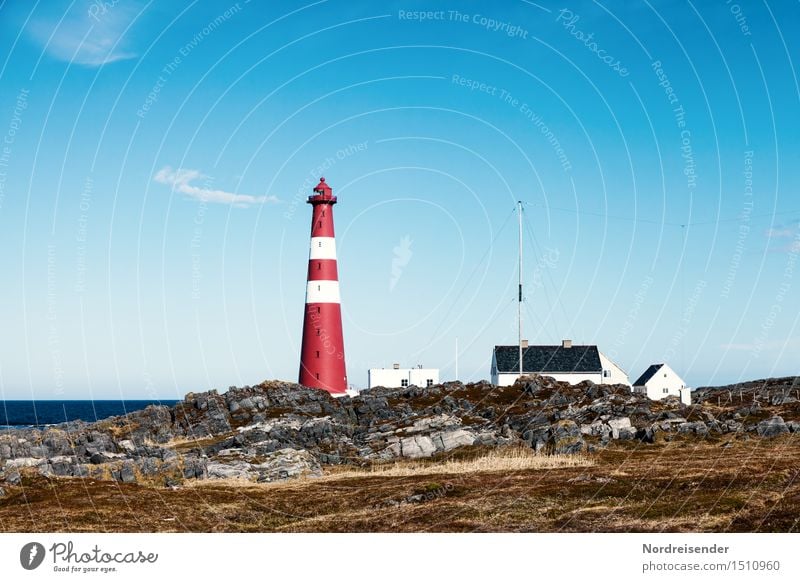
(738, 485)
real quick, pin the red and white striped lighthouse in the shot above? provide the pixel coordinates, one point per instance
(322, 355)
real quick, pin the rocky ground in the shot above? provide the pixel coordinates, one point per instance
(282, 434)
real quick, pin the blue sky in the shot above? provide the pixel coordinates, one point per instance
(155, 158)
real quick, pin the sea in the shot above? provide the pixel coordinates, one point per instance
(42, 413)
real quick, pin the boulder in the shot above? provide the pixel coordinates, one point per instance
(286, 464)
(617, 424)
(416, 447)
(62, 466)
(565, 437)
(234, 470)
(772, 427)
(697, 428)
(449, 440)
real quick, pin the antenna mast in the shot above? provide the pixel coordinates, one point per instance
(519, 302)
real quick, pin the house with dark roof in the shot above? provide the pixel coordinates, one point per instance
(565, 363)
(659, 381)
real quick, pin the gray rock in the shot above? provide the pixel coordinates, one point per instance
(194, 467)
(149, 466)
(566, 437)
(449, 440)
(13, 477)
(105, 457)
(779, 399)
(597, 428)
(537, 438)
(127, 446)
(24, 462)
(286, 464)
(127, 474)
(617, 424)
(62, 466)
(772, 427)
(234, 470)
(416, 447)
(697, 428)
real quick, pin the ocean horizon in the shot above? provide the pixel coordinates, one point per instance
(16, 414)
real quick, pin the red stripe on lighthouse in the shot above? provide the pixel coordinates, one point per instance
(322, 363)
(322, 221)
(323, 270)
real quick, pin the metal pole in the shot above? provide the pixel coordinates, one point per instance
(456, 359)
(519, 302)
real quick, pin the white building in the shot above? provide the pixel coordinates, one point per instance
(565, 363)
(397, 377)
(660, 381)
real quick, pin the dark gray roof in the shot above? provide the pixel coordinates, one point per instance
(541, 359)
(648, 373)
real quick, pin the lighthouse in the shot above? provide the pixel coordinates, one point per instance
(322, 354)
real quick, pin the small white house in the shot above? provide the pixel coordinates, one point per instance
(612, 373)
(397, 377)
(565, 363)
(660, 381)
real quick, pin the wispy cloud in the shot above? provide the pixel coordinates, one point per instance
(87, 32)
(790, 233)
(774, 345)
(181, 180)
(781, 232)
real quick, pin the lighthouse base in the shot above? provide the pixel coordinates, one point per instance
(322, 362)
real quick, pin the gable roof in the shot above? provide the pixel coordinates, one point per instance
(541, 359)
(648, 373)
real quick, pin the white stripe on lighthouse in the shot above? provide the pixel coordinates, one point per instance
(323, 292)
(323, 247)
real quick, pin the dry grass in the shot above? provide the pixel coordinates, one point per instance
(692, 485)
(507, 459)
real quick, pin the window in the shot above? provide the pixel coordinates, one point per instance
(318, 330)
(319, 287)
(319, 266)
(317, 375)
(319, 244)
(429, 383)
(404, 383)
(666, 390)
(317, 353)
(319, 224)
(606, 373)
(318, 309)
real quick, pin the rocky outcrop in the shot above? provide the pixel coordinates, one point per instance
(279, 430)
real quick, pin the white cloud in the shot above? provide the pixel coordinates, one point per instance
(782, 232)
(87, 32)
(181, 181)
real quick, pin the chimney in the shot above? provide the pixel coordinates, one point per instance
(524, 343)
(396, 366)
(566, 343)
